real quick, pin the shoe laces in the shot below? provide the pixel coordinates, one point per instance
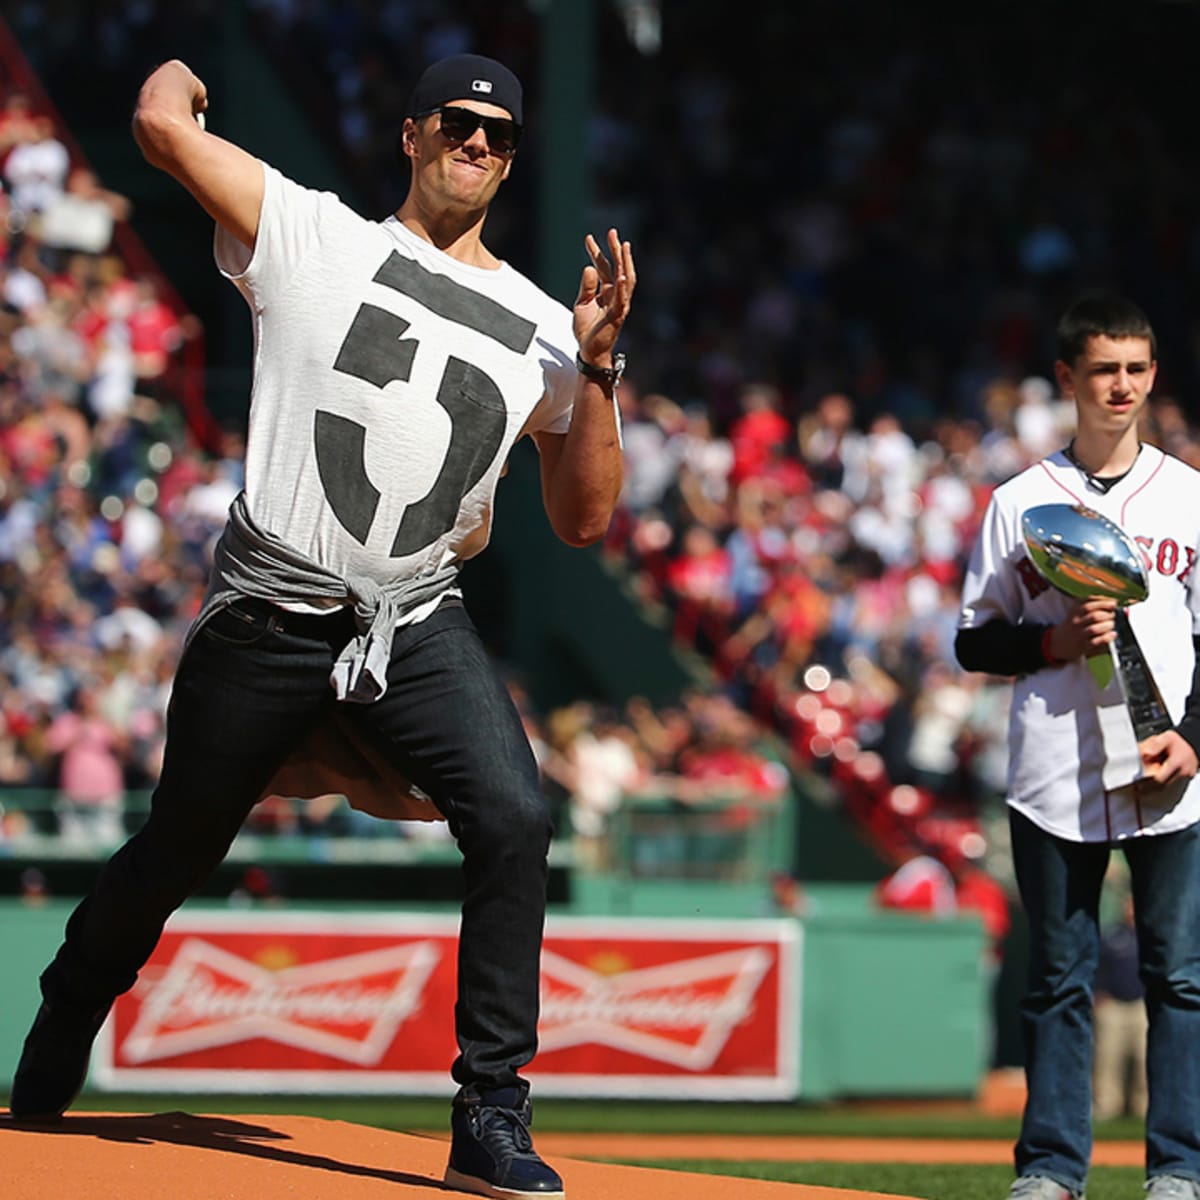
(504, 1128)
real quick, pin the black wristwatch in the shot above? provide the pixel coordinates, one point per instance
(606, 376)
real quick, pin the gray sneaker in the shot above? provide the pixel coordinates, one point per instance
(1172, 1187)
(1038, 1187)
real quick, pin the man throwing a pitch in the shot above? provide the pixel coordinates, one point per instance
(1079, 784)
(396, 364)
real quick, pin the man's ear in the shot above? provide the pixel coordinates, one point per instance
(408, 138)
(1066, 383)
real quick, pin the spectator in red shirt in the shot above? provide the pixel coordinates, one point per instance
(699, 581)
(760, 427)
(154, 333)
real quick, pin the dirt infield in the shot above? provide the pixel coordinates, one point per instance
(664, 1148)
(131, 1157)
(124, 1157)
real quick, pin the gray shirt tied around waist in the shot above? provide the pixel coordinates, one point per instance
(249, 561)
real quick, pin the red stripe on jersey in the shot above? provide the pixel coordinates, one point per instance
(1141, 487)
(1058, 482)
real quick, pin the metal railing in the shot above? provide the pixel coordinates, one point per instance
(36, 825)
(733, 838)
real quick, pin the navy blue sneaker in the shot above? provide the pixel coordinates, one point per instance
(491, 1152)
(53, 1063)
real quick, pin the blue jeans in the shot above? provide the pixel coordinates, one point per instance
(1060, 884)
(253, 682)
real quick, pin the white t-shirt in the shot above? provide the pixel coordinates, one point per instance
(1060, 743)
(390, 384)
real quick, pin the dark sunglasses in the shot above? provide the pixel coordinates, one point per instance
(458, 124)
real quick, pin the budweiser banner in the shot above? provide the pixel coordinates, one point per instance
(358, 1003)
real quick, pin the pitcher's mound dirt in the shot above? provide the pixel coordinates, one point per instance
(137, 1157)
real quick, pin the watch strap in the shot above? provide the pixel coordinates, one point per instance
(609, 376)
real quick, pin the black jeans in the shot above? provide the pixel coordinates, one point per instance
(251, 684)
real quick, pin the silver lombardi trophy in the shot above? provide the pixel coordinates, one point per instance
(1085, 554)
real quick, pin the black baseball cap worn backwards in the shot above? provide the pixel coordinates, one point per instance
(467, 77)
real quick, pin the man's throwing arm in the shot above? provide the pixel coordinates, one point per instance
(225, 180)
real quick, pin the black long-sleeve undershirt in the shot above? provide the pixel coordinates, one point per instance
(999, 648)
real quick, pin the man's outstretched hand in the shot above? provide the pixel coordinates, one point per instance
(605, 291)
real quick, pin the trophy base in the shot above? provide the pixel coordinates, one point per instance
(1142, 697)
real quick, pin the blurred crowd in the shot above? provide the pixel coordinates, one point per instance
(108, 510)
(818, 564)
(704, 759)
(108, 513)
(106, 507)
(831, 196)
(855, 231)
(850, 273)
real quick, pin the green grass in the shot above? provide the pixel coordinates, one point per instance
(935, 1181)
(777, 1120)
(938, 1181)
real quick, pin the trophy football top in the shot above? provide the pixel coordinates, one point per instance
(1083, 553)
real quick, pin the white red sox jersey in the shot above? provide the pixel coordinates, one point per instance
(1073, 761)
(390, 383)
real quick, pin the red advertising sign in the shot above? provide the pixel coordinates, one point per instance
(363, 1003)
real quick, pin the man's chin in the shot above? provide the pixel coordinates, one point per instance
(469, 199)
